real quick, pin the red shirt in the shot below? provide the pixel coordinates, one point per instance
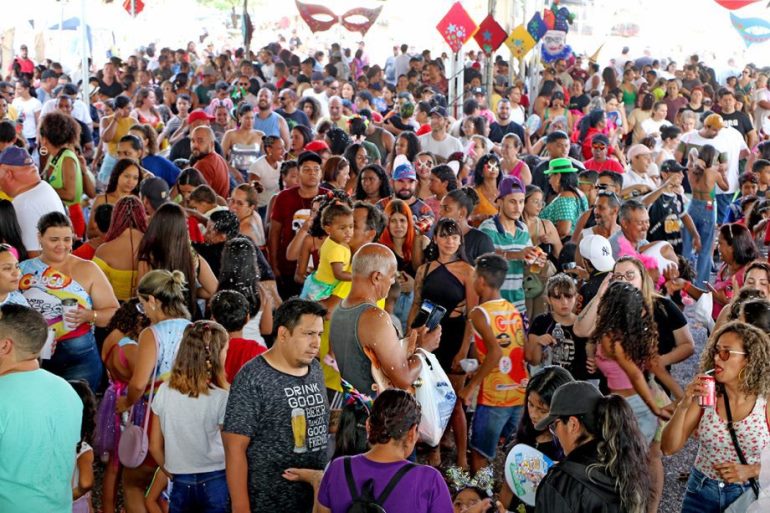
(85, 251)
(214, 170)
(291, 210)
(239, 352)
(607, 165)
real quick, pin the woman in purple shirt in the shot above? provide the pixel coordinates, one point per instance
(392, 432)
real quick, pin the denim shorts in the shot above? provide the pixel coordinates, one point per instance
(648, 422)
(77, 358)
(204, 492)
(490, 423)
(706, 495)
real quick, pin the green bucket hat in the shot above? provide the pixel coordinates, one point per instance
(560, 165)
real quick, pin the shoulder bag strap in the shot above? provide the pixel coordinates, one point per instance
(734, 436)
(349, 478)
(152, 380)
(393, 482)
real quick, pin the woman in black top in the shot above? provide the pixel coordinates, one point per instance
(447, 280)
(457, 205)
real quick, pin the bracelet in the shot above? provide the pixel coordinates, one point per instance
(95, 317)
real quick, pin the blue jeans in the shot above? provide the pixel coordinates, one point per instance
(705, 221)
(77, 358)
(706, 495)
(490, 423)
(723, 203)
(203, 493)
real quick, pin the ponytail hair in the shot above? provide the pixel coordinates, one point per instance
(622, 451)
(168, 288)
(198, 365)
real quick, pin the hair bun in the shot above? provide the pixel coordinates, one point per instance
(178, 278)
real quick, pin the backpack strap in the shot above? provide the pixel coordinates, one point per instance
(349, 477)
(393, 482)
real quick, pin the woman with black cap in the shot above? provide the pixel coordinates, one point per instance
(605, 464)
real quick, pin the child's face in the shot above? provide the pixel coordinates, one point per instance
(764, 175)
(587, 189)
(749, 189)
(465, 500)
(562, 302)
(341, 229)
(537, 409)
(196, 206)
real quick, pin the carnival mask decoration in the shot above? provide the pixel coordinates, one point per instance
(320, 18)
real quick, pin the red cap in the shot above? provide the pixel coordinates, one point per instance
(198, 115)
(317, 146)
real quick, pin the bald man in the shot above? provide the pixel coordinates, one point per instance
(213, 167)
(363, 334)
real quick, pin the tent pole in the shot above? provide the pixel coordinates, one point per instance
(84, 53)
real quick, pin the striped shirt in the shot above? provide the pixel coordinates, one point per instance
(512, 289)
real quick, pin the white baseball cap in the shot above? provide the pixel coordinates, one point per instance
(597, 250)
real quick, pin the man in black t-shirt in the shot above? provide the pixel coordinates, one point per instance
(667, 213)
(278, 416)
(737, 119)
(109, 85)
(504, 124)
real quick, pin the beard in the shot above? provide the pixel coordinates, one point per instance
(404, 194)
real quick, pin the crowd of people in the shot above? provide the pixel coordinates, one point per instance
(224, 278)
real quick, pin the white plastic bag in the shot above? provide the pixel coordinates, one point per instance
(703, 309)
(436, 396)
(763, 503)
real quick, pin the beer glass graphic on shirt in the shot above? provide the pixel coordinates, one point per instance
(299, 429)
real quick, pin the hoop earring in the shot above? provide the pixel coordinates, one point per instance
(42, 150)
(742, 374)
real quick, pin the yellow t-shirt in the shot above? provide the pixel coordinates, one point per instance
(506, 385)
(331, 253)
(4, 196)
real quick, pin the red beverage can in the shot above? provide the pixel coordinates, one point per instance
(710, 399)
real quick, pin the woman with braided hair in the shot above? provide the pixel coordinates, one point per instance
(187, 416)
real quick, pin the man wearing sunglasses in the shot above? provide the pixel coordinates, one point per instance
(600, 160)
(293, 116)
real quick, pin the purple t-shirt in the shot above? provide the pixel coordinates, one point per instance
(422, 489)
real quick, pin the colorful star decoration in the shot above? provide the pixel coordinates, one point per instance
(520, 42)
(457, 27)
(490, 35)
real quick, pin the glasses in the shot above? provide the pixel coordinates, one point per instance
(244, 84)
(724, 354)
(626, 276)
(552, 427)
(424, 164)
(560, 296)
(492, 166)
(604, 193)
(601, 187)
(599, 146)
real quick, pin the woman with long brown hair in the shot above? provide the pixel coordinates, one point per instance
(125, 180)
(166, 245)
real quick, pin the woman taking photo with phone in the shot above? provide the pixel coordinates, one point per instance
(732, 390)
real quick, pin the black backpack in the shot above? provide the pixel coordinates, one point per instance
(365, 502)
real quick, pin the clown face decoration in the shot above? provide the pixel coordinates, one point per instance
(555, 46)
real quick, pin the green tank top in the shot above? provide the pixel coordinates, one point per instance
(56, 176)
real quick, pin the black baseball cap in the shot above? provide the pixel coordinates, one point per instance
(306, 156)
(155, 190)
(439, 111)
(573, 399)
(672, 165)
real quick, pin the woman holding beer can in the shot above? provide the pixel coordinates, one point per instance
(732, 391)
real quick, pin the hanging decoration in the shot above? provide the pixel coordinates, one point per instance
(320, 18)
(490, 35)
(138, 6)
(520, 42)
(457, 27)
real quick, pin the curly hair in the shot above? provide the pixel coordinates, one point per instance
(626, 317)
(478, 171)
(60, 129)
(394, 413)
(736, 304)
(128, 320)
(756, 344)
(325, 200)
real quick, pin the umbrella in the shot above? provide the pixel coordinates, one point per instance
(72, 24)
